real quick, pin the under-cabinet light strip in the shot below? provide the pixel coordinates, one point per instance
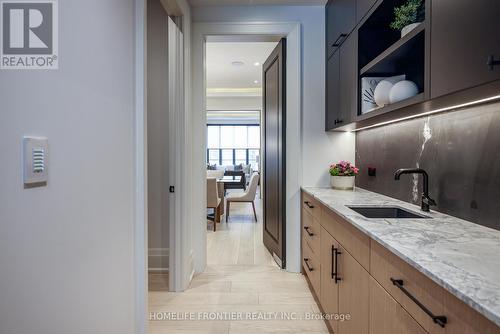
(458, 106)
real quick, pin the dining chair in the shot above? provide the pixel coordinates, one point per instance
(213, 199)
(246, 197)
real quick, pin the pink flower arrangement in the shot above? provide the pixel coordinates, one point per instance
(343, 168)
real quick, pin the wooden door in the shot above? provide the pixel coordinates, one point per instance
(274, 123)
(464, 34)
(387, 316)
(354, 288)
(329, 291)
(332, 112)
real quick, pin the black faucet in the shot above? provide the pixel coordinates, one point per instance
(426, 200)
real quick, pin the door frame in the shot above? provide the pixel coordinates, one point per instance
(184, 266)
(292, 32)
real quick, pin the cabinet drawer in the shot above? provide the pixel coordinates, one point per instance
(386, 266)
(387, 316)
(310, 205)
(354, 241)
(311, 230)
(465, 320)
(312, 267)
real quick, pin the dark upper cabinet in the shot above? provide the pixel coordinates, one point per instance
(464, 34)
(340, 20)
(348, 79)
(362, 8)
(332, 112)
(341, 85)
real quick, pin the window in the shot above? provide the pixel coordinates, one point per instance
(213, 137)
(253, 158)
(227, 157)
(213, 157)
(233, 145)
(226, 137)
(240, 157)
(254, 136)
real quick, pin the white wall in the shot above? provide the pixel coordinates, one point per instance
(67, 250)
(234, 103)
(319, 149)
(158, 123)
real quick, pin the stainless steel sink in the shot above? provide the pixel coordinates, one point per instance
(385, 212)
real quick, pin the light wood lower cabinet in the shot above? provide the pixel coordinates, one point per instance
(386, 266)
(387, 316)
(344, 287)
(329, 297)
(355, 276)
(353, 294)
(464, 320)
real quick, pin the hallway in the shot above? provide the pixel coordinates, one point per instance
(239, 241)
(241, 277)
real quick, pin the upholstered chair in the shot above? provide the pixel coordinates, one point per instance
(246, 197)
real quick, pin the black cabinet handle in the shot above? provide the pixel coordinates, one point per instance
(335, 261)
(307, 228)
(441, 320)
(309, 205)
(338, 121)
(338, 40)
(492, 62)
(306, 260)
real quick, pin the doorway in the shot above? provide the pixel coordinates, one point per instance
(201, 34)
(236, 141)
(165, 110)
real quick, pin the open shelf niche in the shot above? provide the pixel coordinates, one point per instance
(382, 52)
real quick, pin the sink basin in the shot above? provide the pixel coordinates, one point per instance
(385, 212)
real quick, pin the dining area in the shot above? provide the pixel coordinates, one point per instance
(226, 187)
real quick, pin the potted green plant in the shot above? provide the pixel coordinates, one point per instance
(342, 175)
(408, 16)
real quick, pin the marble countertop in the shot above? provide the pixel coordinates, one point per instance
(460, 256)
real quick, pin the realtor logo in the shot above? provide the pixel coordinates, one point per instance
(28, 34)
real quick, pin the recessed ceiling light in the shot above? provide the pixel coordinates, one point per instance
(238, 63)
(256, 63)
(256, 81)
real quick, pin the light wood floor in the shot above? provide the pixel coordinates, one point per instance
(239, 241)
(241, 276)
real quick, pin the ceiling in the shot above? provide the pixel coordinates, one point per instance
(256, 2)
(244, 79)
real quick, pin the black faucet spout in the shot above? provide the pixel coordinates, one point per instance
(426, 200)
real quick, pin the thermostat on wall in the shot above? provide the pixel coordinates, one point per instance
(35, 161)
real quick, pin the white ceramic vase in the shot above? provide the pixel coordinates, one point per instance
(409, 28)
(342, 182)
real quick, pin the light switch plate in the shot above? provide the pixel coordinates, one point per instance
(35, 161)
